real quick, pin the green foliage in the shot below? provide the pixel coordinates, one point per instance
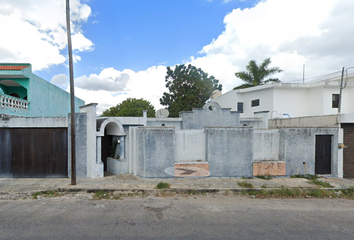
(162, 185)
(131, 107)
(265, 177)
(348, 193)
(46, 194)
(245, 184)
(306, 176)
(257, 74)
(321, 183)
(112, 150)
(294, 193)
(189, 87)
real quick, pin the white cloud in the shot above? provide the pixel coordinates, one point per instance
(60, 80)
(36, 31)
(293, 32)
(111, 87)
(316, 33)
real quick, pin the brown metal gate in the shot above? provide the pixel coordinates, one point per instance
(348, 152)
(323, 154)
(33, 152)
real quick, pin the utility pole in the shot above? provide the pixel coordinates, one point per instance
(340, 92)
(72, 97)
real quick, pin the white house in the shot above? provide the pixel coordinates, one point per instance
(292, 99)
(311, 104)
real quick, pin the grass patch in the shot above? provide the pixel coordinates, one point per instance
(108, 195)
(102, 195)
(162, 185)
(348, 193)
(265, 177)
(292, 193)
(321, 183)
(46, 194)
(306, 176)
(264, 186)
(245, 184)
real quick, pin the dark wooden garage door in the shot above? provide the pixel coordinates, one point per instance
(33, 152)
(348, 152)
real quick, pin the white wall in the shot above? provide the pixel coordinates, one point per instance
(228, 100)
(347, 100)
(265, 97)
(292, 101)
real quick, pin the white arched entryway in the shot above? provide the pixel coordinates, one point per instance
(113, 127)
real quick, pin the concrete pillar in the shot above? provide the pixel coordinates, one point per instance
(98, 150)
(122, 147)
(145, 117)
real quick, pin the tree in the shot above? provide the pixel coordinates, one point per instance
(189, 87)
(131, 107)
(257, 75)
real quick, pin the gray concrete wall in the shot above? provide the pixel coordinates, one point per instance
(190, 145)
(155, 151)
(297, 146)
(166, 122)
(211, 115)
(11, 121)
(81, 145)
(229, 151)
(266, 145)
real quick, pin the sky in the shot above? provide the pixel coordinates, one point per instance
(121, 48)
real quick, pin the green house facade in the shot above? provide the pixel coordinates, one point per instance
(23, 93)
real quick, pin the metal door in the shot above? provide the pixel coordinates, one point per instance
(323, 154)
(348, 152)
(34, 152)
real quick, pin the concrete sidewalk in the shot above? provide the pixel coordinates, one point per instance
(127, 182)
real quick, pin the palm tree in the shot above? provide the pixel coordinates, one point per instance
(256, 75)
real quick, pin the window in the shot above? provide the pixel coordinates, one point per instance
(335, 100)
(240, 107)
(255, 103)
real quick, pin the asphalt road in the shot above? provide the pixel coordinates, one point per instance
(200, 217)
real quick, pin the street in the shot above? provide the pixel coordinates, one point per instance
(177, 217)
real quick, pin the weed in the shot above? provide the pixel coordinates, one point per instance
(307, 176)
(162, 185)
(292, 193)
(348, 193)
(264, 186)
(164, 193)
(245, 184)
(320, 183)
(47, 194)
(265, 177)
(102, 195)
(226, 193)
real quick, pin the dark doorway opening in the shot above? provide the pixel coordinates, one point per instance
(106, 142)
(323, 154)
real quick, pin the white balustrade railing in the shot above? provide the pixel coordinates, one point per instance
(13, 102)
